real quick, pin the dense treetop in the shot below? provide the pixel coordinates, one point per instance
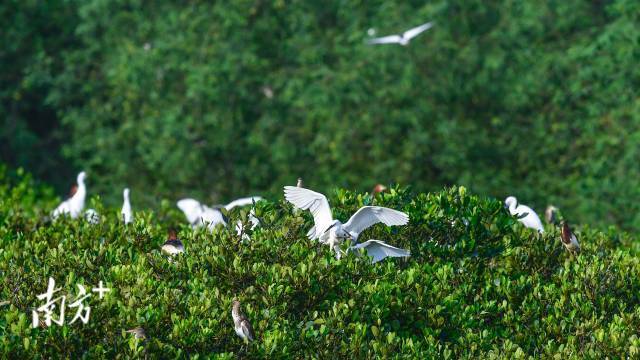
(224, 99)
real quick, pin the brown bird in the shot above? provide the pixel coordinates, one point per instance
(173, 245)
(241, 323)
(569, 239)
(138, 333)
(551, 214)
(370, 200)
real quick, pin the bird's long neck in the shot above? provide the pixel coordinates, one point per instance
(235, 312)
(80, 194)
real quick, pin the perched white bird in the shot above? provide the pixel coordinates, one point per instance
(241, 323)
(531, 220)
(74, 205)
(201, 215)
(331, 231)
(92, 216)
(402, 39)
(569, 239)
(127, 215)
(379, 250)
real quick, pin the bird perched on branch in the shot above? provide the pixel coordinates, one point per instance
(127, 215)
(402, 39)
(75, 204)
(201, 215)
(173, 245)
(138, 333)
(569, 239)
(241, 323)
(331, 231)
(379, 188)
(530, 219)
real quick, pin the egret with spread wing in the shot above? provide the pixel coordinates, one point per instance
(333, 232)
(402, 39)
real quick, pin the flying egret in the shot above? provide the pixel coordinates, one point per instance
(402, 39)
(127, 215)
(241, 323)
(530, 220)
(331, 231)
(74, 205)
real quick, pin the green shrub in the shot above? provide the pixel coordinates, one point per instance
(478, 285)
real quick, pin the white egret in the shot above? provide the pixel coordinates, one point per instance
(530, 219)
(74, 205)
(402, 39)
(331, 231)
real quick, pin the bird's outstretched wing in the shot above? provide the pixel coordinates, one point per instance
(411, 33)
(242, 202)
(391, 39)
(191, 209)
(369, 215)
(316, 203)
(212, 217)
(247, 329)
(379, 250)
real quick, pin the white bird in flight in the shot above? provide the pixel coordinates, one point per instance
(531, 220)
(74, 205)
(333, 232)
(402, 39)
(379, 250)
(127, 215)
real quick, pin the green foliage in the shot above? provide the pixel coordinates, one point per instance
(478, 285)
(537, 100)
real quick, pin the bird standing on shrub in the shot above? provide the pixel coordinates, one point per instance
(402, 39)
(530, 220)
(379, 250)
(201, 215)
(299, 183)
(74, 205)
(241, 323)
(370, 200)
(569, 239)
(551, 214)
(173, 245)
(333, 232)
(127, 215)
(138, 333)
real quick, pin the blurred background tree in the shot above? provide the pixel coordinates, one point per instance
(217, 100)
